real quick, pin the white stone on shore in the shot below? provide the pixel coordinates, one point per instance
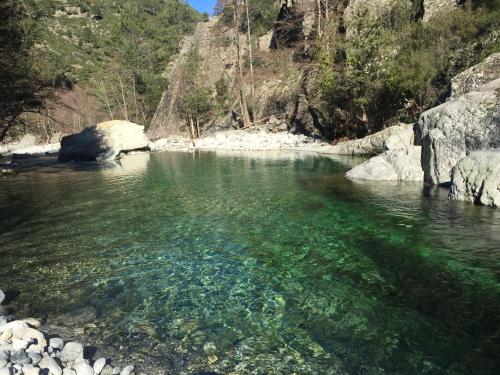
(4, 358)
(32, 335)
(50, 364)
(35, 357)
(69, 371)
(19, 358)
(34, 323)
(99, 365)
(19, 345)
(13, 326)
(117, 370)
(7, 371)
(31, 370)
(56, 343)
(83, 368)
(6, 334)
(72, 352)
(3, 321)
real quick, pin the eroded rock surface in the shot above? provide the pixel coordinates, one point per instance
(450, 131)
(476, 178)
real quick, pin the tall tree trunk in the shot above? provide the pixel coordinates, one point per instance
(242, 99)
(250, 55)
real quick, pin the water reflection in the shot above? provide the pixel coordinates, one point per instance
(281, 262)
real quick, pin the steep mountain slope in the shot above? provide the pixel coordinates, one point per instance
(105, 58)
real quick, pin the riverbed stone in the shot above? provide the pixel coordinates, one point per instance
(127, 370)
(83, 368)
(18, 345)
(56, 343)
(35, 357)
(4, 358)
(31, 370)
(3, 321)
(99, 365)
(20, 358)
(2, 296)
(6, 334)
(51, 365)
(7, 371)
(33, 323)
(107, 370)
(117, 371)
(476, 178)
(31, 335)
(72, 352)
(69, 371)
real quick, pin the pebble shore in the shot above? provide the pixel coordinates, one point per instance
(26, 350)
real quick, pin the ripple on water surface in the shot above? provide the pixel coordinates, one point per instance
(277, 260)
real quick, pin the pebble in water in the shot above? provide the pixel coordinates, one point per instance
(35, 357)
(31, 370)
(4, 358)
(117, 370)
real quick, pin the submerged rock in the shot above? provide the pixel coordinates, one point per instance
(103, 142)
(476, 178)
(393, 165)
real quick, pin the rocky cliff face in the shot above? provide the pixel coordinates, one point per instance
(217, 55)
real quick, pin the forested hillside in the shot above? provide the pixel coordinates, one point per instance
(94, 59)
(331, 68)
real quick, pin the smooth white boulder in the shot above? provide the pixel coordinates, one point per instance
(72, 352)
(476, 178)
(103, 142)
(392, 165)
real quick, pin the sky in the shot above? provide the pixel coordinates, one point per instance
(203, 5)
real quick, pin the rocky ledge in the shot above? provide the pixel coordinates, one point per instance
(25, 349)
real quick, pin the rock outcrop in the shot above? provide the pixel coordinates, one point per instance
(451, 130)
(473, 78)
(390, 138)
(103, 142)
(476, 178)
(433, 7)
(394, 165)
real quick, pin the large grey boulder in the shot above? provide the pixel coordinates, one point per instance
(450, 131)
(476, 178)
(473, 78)
(103, 142)
(393, 137)
(394, 165)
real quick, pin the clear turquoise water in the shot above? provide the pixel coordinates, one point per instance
(281, 262)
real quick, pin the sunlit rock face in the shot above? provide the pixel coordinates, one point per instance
(395, 165)
(103, 142)
(450, 131)
(476, 178)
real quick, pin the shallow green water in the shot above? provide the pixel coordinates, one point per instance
(282, 263)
